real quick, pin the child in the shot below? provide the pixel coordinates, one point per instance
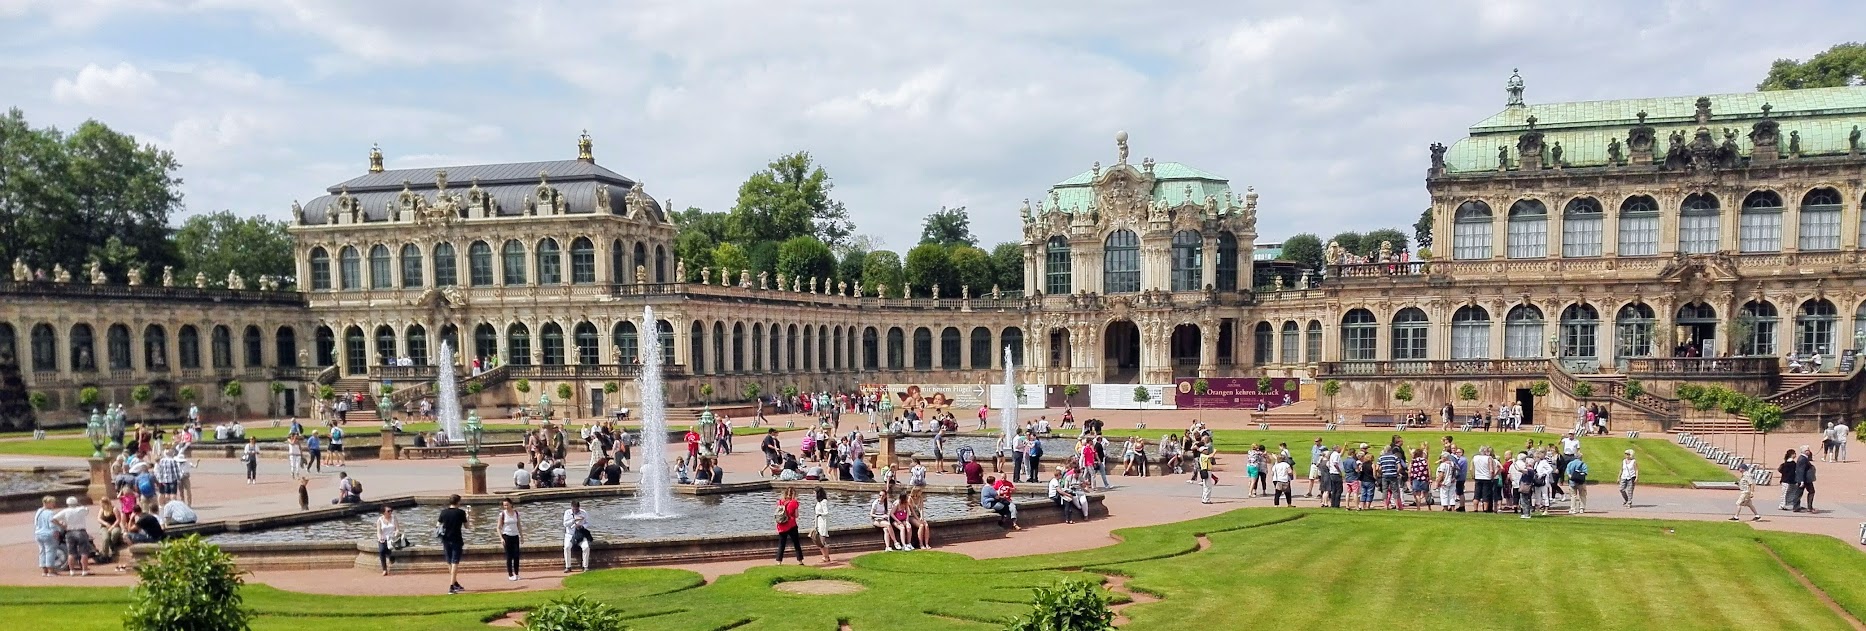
(1746, 494)
(304, 494)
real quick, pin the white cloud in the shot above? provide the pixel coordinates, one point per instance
(96, 85)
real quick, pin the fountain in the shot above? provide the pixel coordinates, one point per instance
(447, 409)
(1007, 418)
(654, 492)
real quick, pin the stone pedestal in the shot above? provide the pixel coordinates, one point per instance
(386, 451)
(475, 478)
(101, 484)
(884, 450)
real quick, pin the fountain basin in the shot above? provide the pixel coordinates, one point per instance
(21, 489)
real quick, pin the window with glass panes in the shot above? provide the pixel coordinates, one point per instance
(1188, 260)
(1814, 328)
(514, 255)
(1581, 227)
(320, 269)
(418, 345)
(1360, 336)
(1056, 267)
(1759, 225)
(1263, 340)
(1761, 318)
(1410, 329)
(518, 345)
(1471, 230)
(588, 352)
(485, 341)
(1698, 225)
(446, 268)
(627, 342)
(411, 266)
(551, 342)
(350, 267)
(1580, 327)
(550, 263)
(1820, 220)
(1121, 263)
(1633, 329)
(379, 268)
(1312, 344)
(355, 352)
(1227, 268)
(1522, 333)
(1638, 232)
(1528, 236)
(479, 264)
(582, 261)
(1292, 344)
(1470, 333)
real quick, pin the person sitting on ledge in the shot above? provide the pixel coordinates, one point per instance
(612, 474)
(238, 431)
(680, 472)
(175, 512)
(595, 477)
(858, 468)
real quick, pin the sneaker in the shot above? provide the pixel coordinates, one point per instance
(1525, 516)
(1734, 519)
(907, 547)
(1756, 518)
(513, 577)
(566, 569)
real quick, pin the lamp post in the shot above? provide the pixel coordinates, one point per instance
(94, 430)
(474, 470)
(99, 433)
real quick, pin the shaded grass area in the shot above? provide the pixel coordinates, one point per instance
(1267, 568)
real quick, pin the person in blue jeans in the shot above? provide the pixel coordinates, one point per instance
(1033, 457)
(316, 446)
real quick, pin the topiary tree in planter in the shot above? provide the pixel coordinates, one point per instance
(1634, 388)
(233, 392)
(39, 401)
(475, 387)
(1583, 389)
(706, 392)
(188, 394)
(189, 585)
(1467, 392)
(1404, 394)
(278, 396)
(1069, 606)
(1142, 395)
(141, 394)
(1538, 389)
(752, 391)
(523, 386)
(1330, 388)
(611, 387)
(89, 396)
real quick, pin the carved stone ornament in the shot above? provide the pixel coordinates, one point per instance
(965, 292)
(745, 279)
(234, 281)
(763, 277)
(200, 280)
(842, 288)
(680, 271)
(706, 276)
(1615, 156)
(59, 274)
(641, 274)
(1438, 156)
(1639, 139)
(20, 272)
(136, 276)
(168, 276)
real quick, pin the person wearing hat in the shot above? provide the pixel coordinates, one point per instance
(1629, 475)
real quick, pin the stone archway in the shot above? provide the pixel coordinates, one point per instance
(1184, 350)
(1121, 352)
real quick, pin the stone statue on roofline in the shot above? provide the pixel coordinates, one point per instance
(136, 276)
(234, 281)
(965, 292)
(1333, 253)
(680, 270)
(842, 288)
(200, 280)
(168, 276)
(641, 274)
(763, 280)
(1278, 282)
(995, 294)
(745, 279)
(59, 274)
(706, 276)
(97, 272)
(1614, 154)
(858, 290)
(20, 273)
(936, 291)
(1794, 143)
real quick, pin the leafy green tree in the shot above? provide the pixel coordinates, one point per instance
(216, 243)
(789, 198)
(732, 257)
(1370, 242)
(948, 226)
(89, 396)
(1303, 248)
(700, 232)
(63, 196)
(1422, 229)
(849, 267)
(1008, 260)
(882, 267)
(807, 257)
(1349, 241)
(190, 585)
(141, 394)
(929, 264)
(1842, 65)
(971, 267)
(762, 256)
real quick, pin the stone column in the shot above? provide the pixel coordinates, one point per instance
(1208, 259)
(1208, 349)
(1555, 232)
(1791, 225)
(1499, 233)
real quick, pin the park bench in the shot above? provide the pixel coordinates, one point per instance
(1376, 420)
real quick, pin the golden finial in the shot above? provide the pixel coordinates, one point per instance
(583, 148)
(375, 158)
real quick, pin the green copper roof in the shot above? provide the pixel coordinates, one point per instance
(1173, 182)
(1823, 117)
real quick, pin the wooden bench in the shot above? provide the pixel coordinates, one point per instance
(1369, 420)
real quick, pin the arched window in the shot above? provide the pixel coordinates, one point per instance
(1263, 343)
(923, 348)
(587, 344)
(1410, 332)
(1227, 261)
(83, 348)
(1759, 226)
(355, 351)
(949, 348)
(155, 348)
(1312, 342)
(1580, 329)
(320, 269)
(1289, 351)
(871, 349)
(660, 264)
(641, 260)
(774, 360)
(1188, 260)
(411, 266)
(221, 347)
(188, 347)
(981, 348)
(666, 330)
(9, 341)
(514, 255)
(551, 341)
(1360, 335)
(618, 263)
(627, 341)
(1820, 220)
(350, 268)
(1698, 224)
(417, 337)
(1581, 227)
(1529, 230)
(1634, 327)
(446, 266)
(385, 345)
(285, 346)
(1814, 328)
(1056, 267)
(518, 344)
(738, 347)
(582, 261)
(44, 348)
(1121, 263)
(897, 349)
(1470, 333)
(1638, 233)
(117, 340)
(1014, 338)
(381, 269)
(719, 349)
(809, 348)
(254, 344)
(1760, 318)
(1522, 333)
(822, 348)
(485, 341)
(758, 347)
(1471, 229)
(479, 264)
(550, 262)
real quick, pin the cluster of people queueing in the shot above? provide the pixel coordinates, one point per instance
(1527, 482)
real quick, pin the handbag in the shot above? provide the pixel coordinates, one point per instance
(400, 541)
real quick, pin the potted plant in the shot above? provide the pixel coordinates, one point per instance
(1142, 396)
(523, 386)
(188, 394)
(752, 391)
(89, 396)
(706, 392)
(1467, 392)
(233, 391)
(1403, 394)
(1583, 389)
(141, 394)
(39, 401)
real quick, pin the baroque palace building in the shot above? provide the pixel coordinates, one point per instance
(1586, 245)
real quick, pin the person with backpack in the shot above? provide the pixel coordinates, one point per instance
(1525, 483)
(785, 515)
(1577, 477)
(1205, 477)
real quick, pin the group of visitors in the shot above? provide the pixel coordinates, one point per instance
(1834, 441)
(1526, 482)
(65, 540)
(1798, 475)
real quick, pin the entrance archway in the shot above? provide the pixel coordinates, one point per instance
(1185, 350)
(1697, 331)
(1121, 352)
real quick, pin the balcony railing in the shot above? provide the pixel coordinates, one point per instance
(1718, 366)
(1434, 367)
(150, 292)
(580, 371)
(1374, 270)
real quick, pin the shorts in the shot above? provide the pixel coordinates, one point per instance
(1315, 472)
(1418, 485)
(452, 550)
(336, 448)
(879, 523)
(1367, 492)
(165, 488)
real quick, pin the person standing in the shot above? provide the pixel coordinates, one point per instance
(1033, 456)
(510, 533)
(77, 539)
(1746, 494)
(1281, 474)
(820, 533)
(388, 531)
(1205, 477)
(336, 447)
(315, 445)
(1804, 477)
(452, 524)
(1577, 477)
(1331, 476)
(1629, 477)
(45, 532)
(1015, 443)
(1841, 438)
(294, 456)
(1791, 492)
(577, 531)
(251, 456)
(786, 518)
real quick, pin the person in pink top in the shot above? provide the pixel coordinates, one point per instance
(1088, 464)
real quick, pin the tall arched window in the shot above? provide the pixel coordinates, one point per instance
(9, 341)
(1698, 224)
(1580, 329)
(1581, 227)
(738, 347)
(188, 347)
(350, 267)
(897, 348)
(1814, 328)
(758, 347)
(582, 261)
(1522, 333)
(221, 347)
(385, 345)
(981, 348)
(1760, 317)
(1056, 267)
(1188, 260)
(1634, 327)
(666, 330)
(417, 337)
(1263, 343)
(83, 348)
(949, 348)
(1638, 233)
(411, 266)
(479, 264)
(320, 269)
(660, 264)
(1227, 261)
(871, 349)
(155, 348)
(1471, 231)
(1120, 263)
(355, 351)
(809, 348)
(719, 349)
(923, 348)
(446, 265)
(1312, 342)
(627, 341)
(1820, 220)
(619, 271)
(1470, 333)
(1013, 337)
(1360, 335)
(485, 341)
(550, 262)
(117, 340)
(514, 255)
(44, 348)
(381, 269)
(254, 344)
(641, 259)
(1759, 225)
(285, 346)
(1410, 332)
(551, 342)
(518, 344)
(1289, 350)
(1529, 230)
(588, 350)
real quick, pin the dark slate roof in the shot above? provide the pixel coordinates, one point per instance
(509, 184)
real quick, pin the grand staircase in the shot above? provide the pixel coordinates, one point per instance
(1298, 415)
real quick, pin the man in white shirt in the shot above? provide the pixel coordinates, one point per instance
(521, 478)
(176, 512)
(1016, 444)
(1629, 475)
(576, 531)
(1842, 434)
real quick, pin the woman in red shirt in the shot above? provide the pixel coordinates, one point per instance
(786, 516)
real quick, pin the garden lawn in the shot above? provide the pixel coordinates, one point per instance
(80, 447)
(1661, 462)
(1266, 568)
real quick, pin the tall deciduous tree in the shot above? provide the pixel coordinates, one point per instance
(805, 257)
(929, 264)
(62, 197)
(1842, 65)
(1303, 248)
(948, 226)
(1349, 241)
(789, 198)
(1007, 259)
(732, 257)
(849, 267)
(882, 267)
(216, 243)
(971, 267)
(1422, 229)
(700, 232)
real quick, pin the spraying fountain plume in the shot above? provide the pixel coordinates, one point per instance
(447, 407)
(1007, 417)
(655, 490)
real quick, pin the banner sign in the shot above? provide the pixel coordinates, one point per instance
(932, 397)
(1235, 393)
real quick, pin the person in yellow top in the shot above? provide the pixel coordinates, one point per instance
(1205, 475)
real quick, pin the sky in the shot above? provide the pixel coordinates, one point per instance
(1326, 107)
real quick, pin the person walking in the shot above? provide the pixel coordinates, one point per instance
(577, 531)
(510, 533)
(452, 530)
(388, 532)
(1281, 474)
(820, 533)
(786, 518)
(1804, 478)
(1746, 494)
(1577, 477)
(1791, 492)
(315, 445)
(1841, 438)
(1629, 477)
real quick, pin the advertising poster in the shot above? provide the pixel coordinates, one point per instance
(1235, 393)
